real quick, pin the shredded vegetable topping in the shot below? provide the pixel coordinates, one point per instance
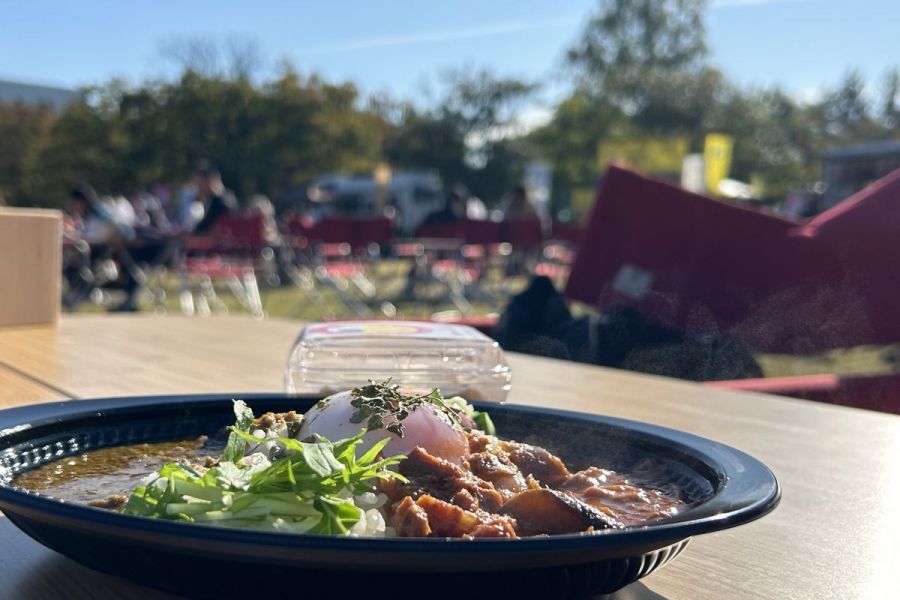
(310, 489)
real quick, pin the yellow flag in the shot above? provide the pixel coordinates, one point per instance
(717, 156)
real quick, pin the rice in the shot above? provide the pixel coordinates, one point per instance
(371, 523)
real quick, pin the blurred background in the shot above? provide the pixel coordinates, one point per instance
(395, 159)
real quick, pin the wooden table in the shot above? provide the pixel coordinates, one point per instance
(18, 388)
(835, 534)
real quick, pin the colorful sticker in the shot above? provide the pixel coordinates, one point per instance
(417, 329)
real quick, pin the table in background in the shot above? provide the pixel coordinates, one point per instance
(834, 535)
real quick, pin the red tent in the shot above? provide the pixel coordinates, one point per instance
(863, 232)
(704, 266)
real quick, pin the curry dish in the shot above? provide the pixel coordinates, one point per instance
(373, 461)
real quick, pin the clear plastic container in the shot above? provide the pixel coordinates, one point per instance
(340, 355)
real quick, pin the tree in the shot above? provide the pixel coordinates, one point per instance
(890, 100)
(640, 70)
(775, 136)
(231, 57)
(648, 58)
(481, 100)
(629, 40)
(85, 145)
(845, 109)
(25, 132)
(569, 143)
(465, 137)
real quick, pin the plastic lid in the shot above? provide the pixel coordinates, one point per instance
(459, 360)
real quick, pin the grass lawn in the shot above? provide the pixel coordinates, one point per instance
(323, 302)
(846, 361)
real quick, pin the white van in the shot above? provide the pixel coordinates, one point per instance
(412, 194)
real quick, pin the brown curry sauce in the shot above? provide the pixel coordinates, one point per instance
(97, 474)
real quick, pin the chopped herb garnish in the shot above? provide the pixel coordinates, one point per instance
(381, 405)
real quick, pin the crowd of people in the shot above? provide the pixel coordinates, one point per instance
(109, 237)
(111, 240)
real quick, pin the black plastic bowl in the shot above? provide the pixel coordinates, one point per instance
(726, 486)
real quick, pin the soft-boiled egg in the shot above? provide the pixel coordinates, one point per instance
(424, 426)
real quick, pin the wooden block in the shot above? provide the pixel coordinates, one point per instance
(30, 266)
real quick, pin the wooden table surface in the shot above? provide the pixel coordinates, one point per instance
(835, 534)
(18, 388)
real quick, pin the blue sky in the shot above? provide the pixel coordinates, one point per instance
(400, 45)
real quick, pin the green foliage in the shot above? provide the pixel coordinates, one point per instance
(569, 143)
(265, 138)
(628, 42)
(25, 132)
(460, 136)
(234, 448)
(890, 100)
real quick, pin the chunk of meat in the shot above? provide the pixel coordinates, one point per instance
(114, 502)
(428, 516)
(410, 519)
(511, 489)
(283, 424)
(447, 520)
(537, 462)
(479, 441)
(423, 466)
(545, 511)
(498, 527)
(464, 499)
(433, 476)
(499, 470)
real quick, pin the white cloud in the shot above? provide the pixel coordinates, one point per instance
(428, 37)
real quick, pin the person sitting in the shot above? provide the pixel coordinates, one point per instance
(517, 205)
(212, 200)
(93, 221)
(260, 205)
(101, 235)
(150, 219)
(154, 245)
(277, 263)
(454, 208)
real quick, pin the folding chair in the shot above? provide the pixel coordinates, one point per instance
(525, 236)
(297, 232)
(372, 235)
(566, 232)
(433, 259)
(490, 237)
(336, 266)
(228, 255)
(557, 253)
